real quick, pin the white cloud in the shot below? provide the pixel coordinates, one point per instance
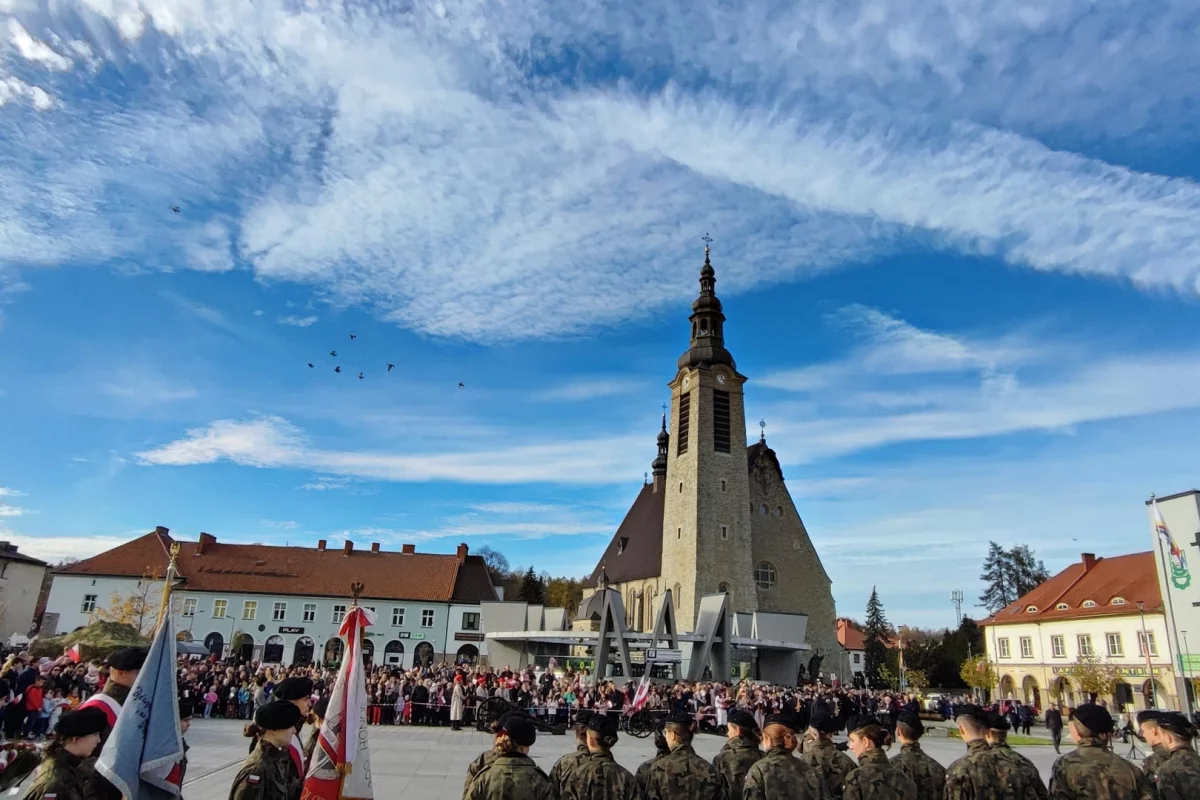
(280, 525)
(13, 89)
(297, 321)
(12, 511)
(31, 49)
(9, 492)
(582, 389)
(53, 549)
(326, 483)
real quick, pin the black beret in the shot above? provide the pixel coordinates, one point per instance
(860, 721)
(912, 721)
(680, 718)
(128, 658)
(293, 689)
(970, 710)
(602, 724)
(583, 717)
(824, 722)
(997, 722)
(1149, 715)
(83, 722)
(277, 715)
(1176, 723)
(320, 707)
(1094, 718)
(520, 730)
(781, 718)
(743, 720)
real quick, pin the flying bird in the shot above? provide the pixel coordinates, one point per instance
(462, 385)
(360, 376)
(337, 369)
(333, 353)
(390, 367)
(175, 209)
(353, 337)
(310, 366)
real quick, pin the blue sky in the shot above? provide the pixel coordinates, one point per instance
(958, 246)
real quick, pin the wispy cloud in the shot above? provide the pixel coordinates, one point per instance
(297, 321)
(33, 50)
(12, 511)
(6, 491)
(325, 483)
(590, 389)
(53, 549)
(280, 525)
(506, 520)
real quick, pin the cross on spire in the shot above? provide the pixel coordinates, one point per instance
(707, 241)
(762, 430)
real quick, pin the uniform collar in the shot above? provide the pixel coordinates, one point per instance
(978, 744)
(873, 756)
(914, 746)
(117, 692)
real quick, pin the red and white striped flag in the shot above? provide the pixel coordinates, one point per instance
(643, 691)
(74, 654)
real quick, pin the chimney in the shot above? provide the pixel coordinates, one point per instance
(408, 548)
(161, 531)
(462, 552)
(320, 545)
(348, 548)
(374, 547)
(207, 540)
(1089, 561)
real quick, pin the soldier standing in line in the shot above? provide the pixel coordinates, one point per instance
(925, 772)
(598, 776)
(1093, 770)
(741, 751)
(779, 775)
(980, 775)
(662, 749)
(1178, 776)
(562, 769)
(269, 773)
(997, 739)
(64, 773)
(875, 778)
(316, 719)
(823, 755)
(513, 775)
(487, 756)
(1148, 726)
(683, 775)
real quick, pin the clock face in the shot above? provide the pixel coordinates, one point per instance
(721, 379)
(686, 381)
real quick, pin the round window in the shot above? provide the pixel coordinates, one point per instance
(724, 587)
(764, 575)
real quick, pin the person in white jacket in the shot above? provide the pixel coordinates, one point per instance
(458, 699)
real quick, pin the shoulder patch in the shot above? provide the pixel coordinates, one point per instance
(50, 795)
(252, 779)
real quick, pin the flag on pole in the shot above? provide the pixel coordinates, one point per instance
(74, 654)
(643, 690)
(341, 764)
(146, 744)
(1181, 578)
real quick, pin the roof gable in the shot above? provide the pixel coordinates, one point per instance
(635, 551)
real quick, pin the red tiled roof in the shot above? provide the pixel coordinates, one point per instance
(267, 569)
(1130, 577)
(849, 636)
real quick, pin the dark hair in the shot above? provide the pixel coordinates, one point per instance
(909, 732)
(976, 726)
(683, 733)
(877, 734)
(660, 742)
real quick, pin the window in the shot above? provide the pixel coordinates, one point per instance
(427, 618)
(397, 617)
(724, 531)
(1085, 644)
(189, 607)
(679, 533)
(857, 658)
(722, 485)
(89, 604)
(1061, 607)
(1003, 645)
(765, 575)
(764, 510)
(779, 511)
(1026, 647)
(1115, 646)
(1146, 644)
(310, 612)
(279, 612)
(219, 607)
(685, 422)
(1089, 603)
(249, 609)
(1118, 601)
(470, 621)
(339, 613)
(1031, 609)
(723, 587)
(1058, 647)
(720, 421)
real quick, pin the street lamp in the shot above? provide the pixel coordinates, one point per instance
(1187, 671)
(1146, 649)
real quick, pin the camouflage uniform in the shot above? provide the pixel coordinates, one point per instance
(563, 768)
(981, 775)
(598, 777)
(683, 775)
(267, 774)
(1178, 776)
(779, 775)
(509, 777)
(830, 763)
(877, 779)
(64, 775)
(1023, 765)
(735, 760)
(1154, 761)
(923, 770)
(477, 766)
(644, 769)
(1093, 772)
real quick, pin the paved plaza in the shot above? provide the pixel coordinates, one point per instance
(430, 763)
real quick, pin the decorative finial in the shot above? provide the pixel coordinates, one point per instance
(645, 478)
(664, 408)
(174, 553)
(356, 589)
(762, 430)
(707, 241)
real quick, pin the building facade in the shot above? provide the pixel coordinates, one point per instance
(1100, 614)
(853, 642)
(1177, 561)
(717, 515)
(283, 604)
(20, 584)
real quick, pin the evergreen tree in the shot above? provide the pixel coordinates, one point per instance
(997, 579)
(532, 588)
(876, 633)
(1028, 572)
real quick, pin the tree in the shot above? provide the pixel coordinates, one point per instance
(978, 673)
(497, 562)
(1009, 575)
(916, 680)
(139, 606)
(887, 677)
(1028, 571)
(877, 633)
(564, 593)
(532, 588)
(1093, 676)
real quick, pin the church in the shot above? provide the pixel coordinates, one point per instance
(716, 515)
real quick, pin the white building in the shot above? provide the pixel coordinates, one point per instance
(1109, 609)
(851, 638)
(1179, 581)
(20, 584)
(285, 604)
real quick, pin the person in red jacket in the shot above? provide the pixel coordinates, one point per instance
(33, 706)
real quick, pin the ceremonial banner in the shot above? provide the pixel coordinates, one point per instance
(341, 764)
(1180, 577)
(643, 690)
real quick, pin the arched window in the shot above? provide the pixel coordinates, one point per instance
(723, 587)
(1118, 601)
(1061, 607)
(779, 511)
(764, 510)
(273, 650)
(765, 575)
(1031, 609)
(1089, 603)
(393, 653)
(678, 591)
(333, 651)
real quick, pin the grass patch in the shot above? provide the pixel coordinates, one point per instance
(1014, 739)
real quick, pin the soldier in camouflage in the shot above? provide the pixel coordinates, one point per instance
(64, 773)
(487, 756)
(682, 775)
(875, 778)
(1178, 775)
(924, 771)
(823, 755)
(980, 774)
(1093, 771)
(779, 775)
(741, 751)
(597, 776)
(997, 739)
(1148, 727)
(269, 772)
(512, 775)
(662, 749)
(562, 769)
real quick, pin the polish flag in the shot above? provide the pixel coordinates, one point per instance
(74, 654)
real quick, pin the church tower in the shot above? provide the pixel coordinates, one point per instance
(706, 516)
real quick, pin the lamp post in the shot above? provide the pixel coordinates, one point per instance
(1188, 689)
(1146, 649)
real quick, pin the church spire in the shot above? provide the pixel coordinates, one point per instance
(659, 466)
(708, 322)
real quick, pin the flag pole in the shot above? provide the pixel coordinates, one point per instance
(164, 606)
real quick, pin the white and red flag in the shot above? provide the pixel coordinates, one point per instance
(341, 764)
(74, 654)
(643, 691)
